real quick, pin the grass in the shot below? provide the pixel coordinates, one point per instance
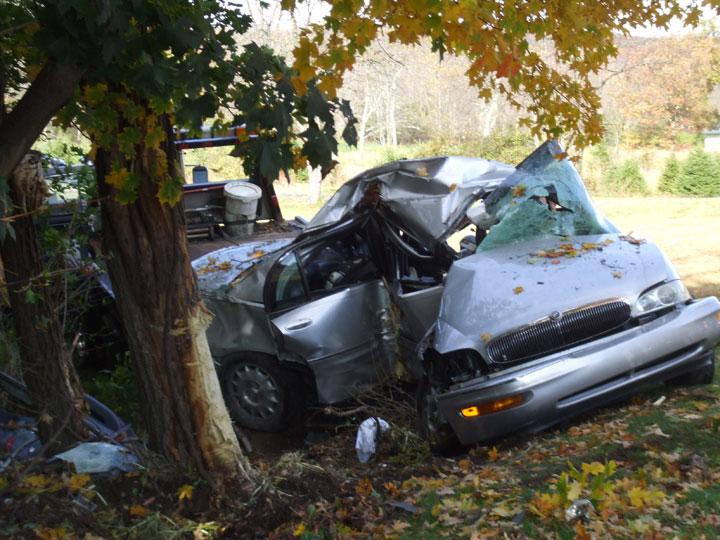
(685, 229)
(650, 467)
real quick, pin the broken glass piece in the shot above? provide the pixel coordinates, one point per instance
(543, 197)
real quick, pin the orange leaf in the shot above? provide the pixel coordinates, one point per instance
(518, 290)
(137, 510)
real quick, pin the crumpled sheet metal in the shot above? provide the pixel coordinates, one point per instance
(238, 326)
(476, 303)
(425, 197)
(217, 270)
(349, 358)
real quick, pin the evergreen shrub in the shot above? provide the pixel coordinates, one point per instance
(670, 175)
(699, 175)
(625, 178)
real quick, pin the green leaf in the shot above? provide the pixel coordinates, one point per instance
(170, 191)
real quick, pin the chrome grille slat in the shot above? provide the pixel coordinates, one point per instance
(549, 336)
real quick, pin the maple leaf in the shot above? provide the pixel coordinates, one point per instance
(574, 490)
(185, 492)
(137, 510)
(519, 190)
(518, 290)
(582, 534)
(364, 487)
(486, 337)
(37, 481)
(560, 156)
(637, 496)
(76, 481)
(593, 468)
(493, 454)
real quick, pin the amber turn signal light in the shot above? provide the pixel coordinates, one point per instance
(493, 406)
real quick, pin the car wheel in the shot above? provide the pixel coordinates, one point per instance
(431, 425)
(259, 394)
(702, 375)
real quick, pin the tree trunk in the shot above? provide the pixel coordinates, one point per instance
(314, 184)
(37, 300)
(165, 322)
(364, 119)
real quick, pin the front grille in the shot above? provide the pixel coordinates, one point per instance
(548, 336)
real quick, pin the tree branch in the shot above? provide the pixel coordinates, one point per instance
(49, 92)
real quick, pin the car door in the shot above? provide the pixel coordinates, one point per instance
(328, 307)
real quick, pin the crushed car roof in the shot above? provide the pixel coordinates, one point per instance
(426, 198)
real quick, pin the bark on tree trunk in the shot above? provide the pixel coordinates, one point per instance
(37, 300)
(165, 321)
(314, 180)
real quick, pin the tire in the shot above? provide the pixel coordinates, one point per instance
(259, 394)
(430, 425)
(702, 375)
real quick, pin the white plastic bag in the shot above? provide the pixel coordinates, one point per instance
(368, 436)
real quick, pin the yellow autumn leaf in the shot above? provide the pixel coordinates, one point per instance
(637, 496)
(486, 337)
(421, 171)
(493, 454)
(518, 290)
(185, 492)
(48, 533)
(117, 178)
(257, 254)
(300, 530)
(37, 481)
(593, 468)
(76, 481)
(501, 511)
(518, 191)
(574, 491)
(617, 275)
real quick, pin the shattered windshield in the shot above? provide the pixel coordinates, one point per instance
(543, 197)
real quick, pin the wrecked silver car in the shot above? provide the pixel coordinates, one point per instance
(546, 312)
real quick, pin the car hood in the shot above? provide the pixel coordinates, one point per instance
(498, 290)
(225, 271)
(426, 198)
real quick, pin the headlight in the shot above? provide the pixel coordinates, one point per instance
(664, 295)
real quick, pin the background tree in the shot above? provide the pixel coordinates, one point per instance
(35, 294)
(666, 92)
(557, 96)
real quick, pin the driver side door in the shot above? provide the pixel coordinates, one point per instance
(327, 307)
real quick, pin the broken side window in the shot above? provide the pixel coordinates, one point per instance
(544, 197)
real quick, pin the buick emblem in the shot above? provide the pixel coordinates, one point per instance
(555, 316)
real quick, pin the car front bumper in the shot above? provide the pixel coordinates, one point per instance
(573, 381)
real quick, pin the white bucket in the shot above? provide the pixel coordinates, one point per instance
(240, 207)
